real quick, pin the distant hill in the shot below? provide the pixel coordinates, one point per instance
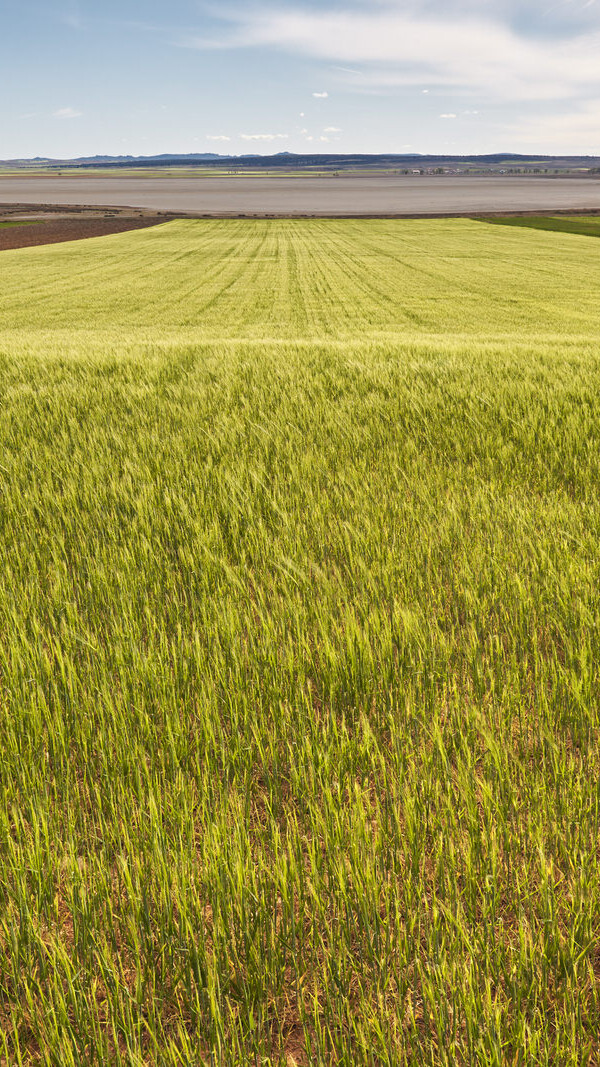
(498, 161)
(117, 161)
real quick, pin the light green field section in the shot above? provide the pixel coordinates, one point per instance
(309, 280)
(299, 635)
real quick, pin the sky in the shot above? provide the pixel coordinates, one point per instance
(139, 77)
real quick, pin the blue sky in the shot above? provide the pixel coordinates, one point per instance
(81, 77)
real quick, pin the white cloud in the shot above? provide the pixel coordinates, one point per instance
(332, 129)
(471, 46)
(67, 113)
(577, 130)
(349, 70)
(448, 115)
(216, 137)
(264, 136)
(320, 96)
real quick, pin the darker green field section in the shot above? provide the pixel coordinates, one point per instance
(586, 225)
(19, 222)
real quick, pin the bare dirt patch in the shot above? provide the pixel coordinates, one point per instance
(43, 225)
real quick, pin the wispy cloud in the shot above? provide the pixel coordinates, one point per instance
(67, 113)
(217, 137)
(332, 129)
(466, 46)
(72, 15)
(320, 96)
(348, 70)
(576, 129)
(448, 115)
(264, 136)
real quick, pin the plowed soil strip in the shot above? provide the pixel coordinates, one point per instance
(54, 230)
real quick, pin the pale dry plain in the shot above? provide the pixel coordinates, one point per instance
(305, 194)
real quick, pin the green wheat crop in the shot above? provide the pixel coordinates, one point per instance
(299, 645)
(586, 225)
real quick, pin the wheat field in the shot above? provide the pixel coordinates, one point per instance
(299, 646)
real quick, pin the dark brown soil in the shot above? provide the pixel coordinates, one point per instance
(46, 226)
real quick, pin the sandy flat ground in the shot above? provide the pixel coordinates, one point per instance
(376, 194)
